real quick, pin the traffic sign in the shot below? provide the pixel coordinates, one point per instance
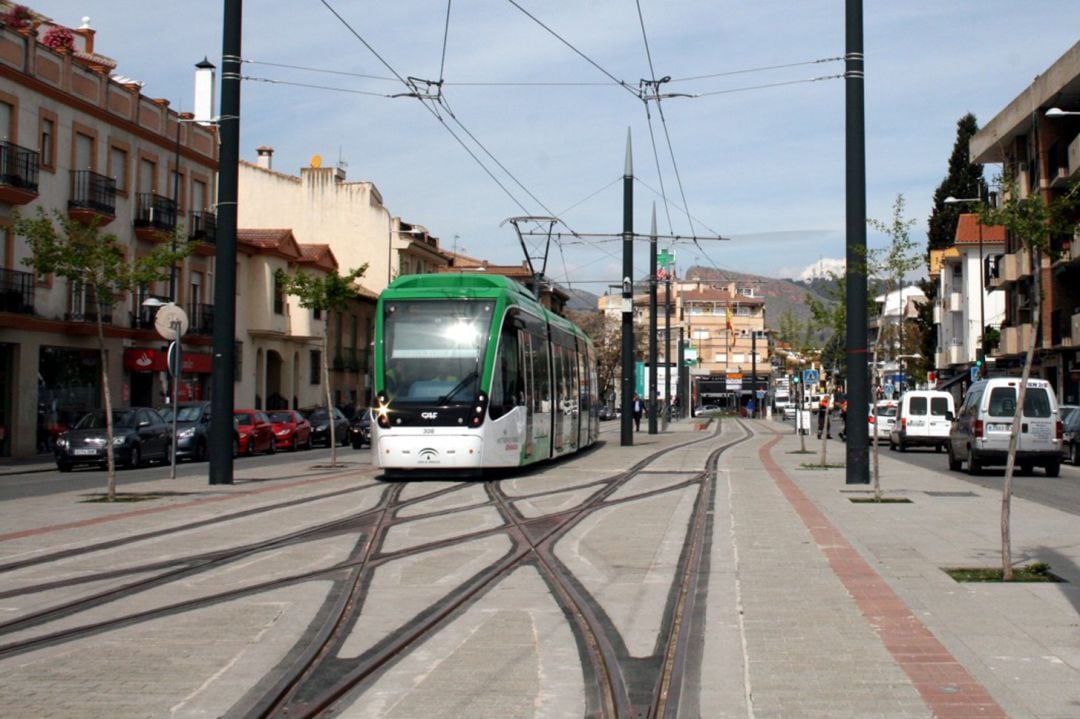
(810, 376)
(975, 370)
(169, 319)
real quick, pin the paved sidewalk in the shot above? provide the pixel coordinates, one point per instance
(815, 606)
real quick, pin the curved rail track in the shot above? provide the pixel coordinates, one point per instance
(315, 681)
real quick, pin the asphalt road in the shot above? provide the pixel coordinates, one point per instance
(92, 479)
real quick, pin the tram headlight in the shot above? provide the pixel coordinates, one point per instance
(382, 411)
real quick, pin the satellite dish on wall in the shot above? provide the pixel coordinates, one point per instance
(316, 161)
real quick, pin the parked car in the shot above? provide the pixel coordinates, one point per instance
(606, 412)
(292, 431)
(256, 434)
(320, 426)
(1070, 438)
(139, 435)
(360, 428)
(192, 429)
(982, 427)
(882, 418)
(922, 420)
(1064, 410)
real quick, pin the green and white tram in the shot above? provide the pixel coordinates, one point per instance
(472, 372)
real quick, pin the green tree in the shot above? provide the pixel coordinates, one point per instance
(97, 263)
(326, 292)
(964, 179)
(1032, 221)
(890, 265)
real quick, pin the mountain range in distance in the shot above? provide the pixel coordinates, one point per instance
(780, 295)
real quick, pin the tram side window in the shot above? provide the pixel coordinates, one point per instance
(541, 374)
(507, 383)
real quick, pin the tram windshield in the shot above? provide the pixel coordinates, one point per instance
(434, 350)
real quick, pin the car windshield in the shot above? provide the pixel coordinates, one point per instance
(245, 418)
(188, 413)
(318, 414)
(122, 418)
(281, 417)
(1003, 402)
(433, 350)
(885, 410)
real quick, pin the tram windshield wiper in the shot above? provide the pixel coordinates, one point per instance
(459, 386)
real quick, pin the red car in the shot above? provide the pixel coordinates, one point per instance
(291, 430)
(256, 434)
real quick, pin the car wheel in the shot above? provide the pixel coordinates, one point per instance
(974, 465)
(251, 446)
(954, 463)
(235, 447)
(1074, 455)
(1027, 468)
(1053, 469)
(200, 452)
(938, 447)
(272, 449)
(135, 459)
(309, 443)
(295, 444)
(64, 466)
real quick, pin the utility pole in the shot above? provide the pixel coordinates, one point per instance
(652, 326)
(627, 433)
(857, 466)
(224, 338)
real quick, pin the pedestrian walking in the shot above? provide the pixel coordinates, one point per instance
(638, 409)
(823, 414)
(750, 407)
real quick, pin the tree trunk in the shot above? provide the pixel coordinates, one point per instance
(1014, 434)
(326, 383)
(110, 486)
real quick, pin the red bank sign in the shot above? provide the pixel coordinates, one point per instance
(150, 360)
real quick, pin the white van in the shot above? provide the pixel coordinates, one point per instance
(980, 432)
(922, 420)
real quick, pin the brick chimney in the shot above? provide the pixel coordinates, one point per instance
(266, 157)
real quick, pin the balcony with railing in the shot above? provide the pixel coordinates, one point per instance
(155, 217)
(93, 196)
(16, 292)
(1015, 340)
(203, 231)
(200, 318)
(18, 174)
(351, 359)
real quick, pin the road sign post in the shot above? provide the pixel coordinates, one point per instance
(171, 323)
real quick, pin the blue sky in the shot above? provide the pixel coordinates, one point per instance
(758, 152)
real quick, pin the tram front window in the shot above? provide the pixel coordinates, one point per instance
(434, 350)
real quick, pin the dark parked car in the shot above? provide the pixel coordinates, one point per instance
(360, 428)
(192, 429)
(139, 434)
(291, 429)
(256, 432)
(1070, 438)
(320, 426)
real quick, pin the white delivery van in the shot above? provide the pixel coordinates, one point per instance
(980, 432)
(922, 420)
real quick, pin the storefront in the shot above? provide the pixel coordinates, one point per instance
(147, 382)
(69, 386)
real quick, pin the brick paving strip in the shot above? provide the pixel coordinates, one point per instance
(943, 683)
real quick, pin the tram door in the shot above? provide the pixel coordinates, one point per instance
(525, 361)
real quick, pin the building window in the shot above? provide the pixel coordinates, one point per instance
(48, 143)
(118, 168)
(316, 312)
(84, 152)
(279, 298)
(743, 311)
(316, 366)
(147, 175)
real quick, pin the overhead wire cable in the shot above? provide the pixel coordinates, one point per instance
(313, 86)
(446, 34)
(769, 85)
(566, 42)
(763, 68)
(319, 69)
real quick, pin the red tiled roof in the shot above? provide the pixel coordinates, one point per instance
(280, 242)
(967, 231)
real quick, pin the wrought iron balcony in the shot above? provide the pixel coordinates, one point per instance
(18, 174)
(154, 213)
(351, 359)
(200, 318)
(16, 291)
(92, 196)
(203, 227)
(91, 315)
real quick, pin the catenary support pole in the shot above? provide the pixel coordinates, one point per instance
(627, 433)
(224, 343)
(857, 470)
(653, 405)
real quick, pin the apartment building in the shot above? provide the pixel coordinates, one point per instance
(1036, 140)
(78, 138)
(966, 312)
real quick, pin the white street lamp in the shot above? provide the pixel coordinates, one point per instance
(1058, 112)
